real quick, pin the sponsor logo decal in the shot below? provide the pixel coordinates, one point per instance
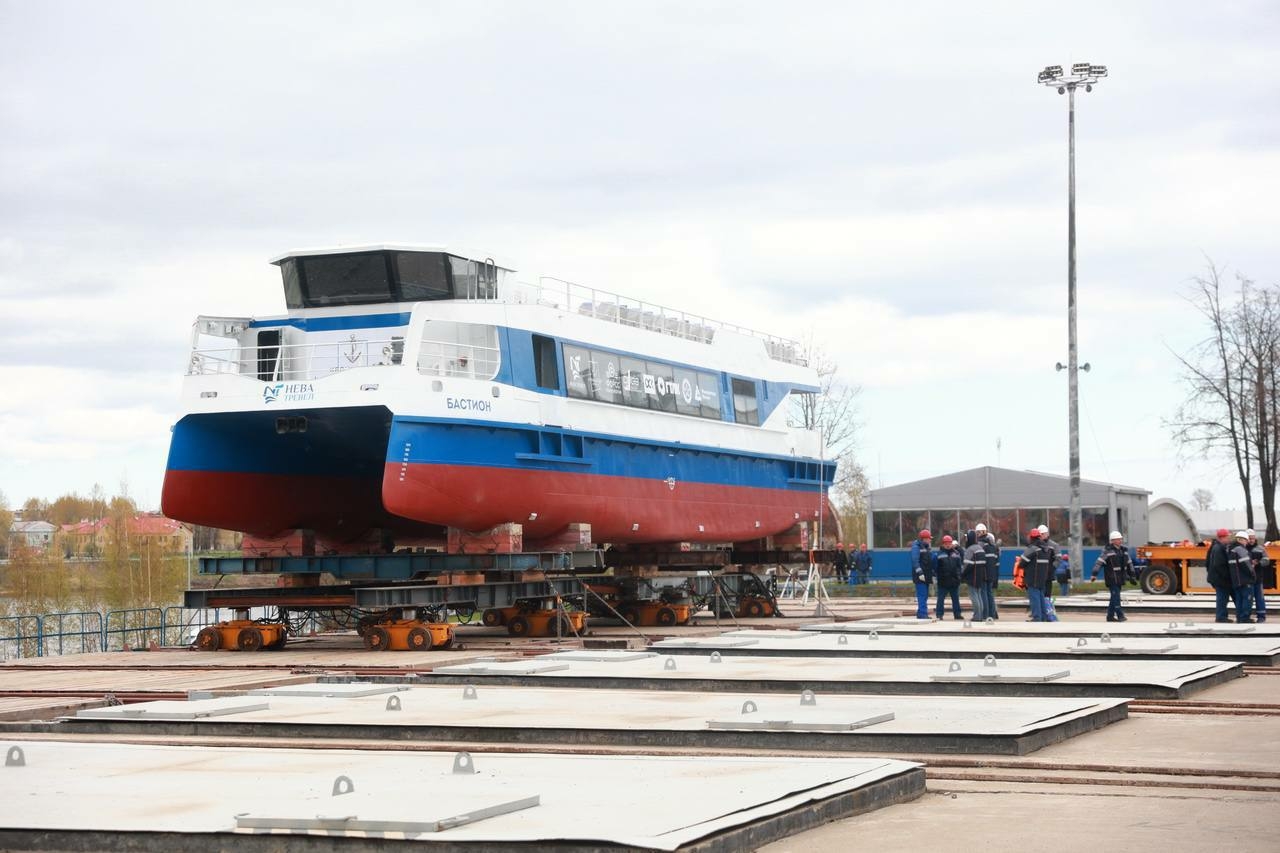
(288, 392)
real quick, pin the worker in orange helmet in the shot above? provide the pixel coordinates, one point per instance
(922, 571)
(948, 566)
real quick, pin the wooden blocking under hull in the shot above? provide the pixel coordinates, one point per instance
(574, 537)
(503, 539)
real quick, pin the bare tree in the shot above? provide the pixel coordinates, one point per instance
(833, 411)
(1202, 499)
(1232, 407)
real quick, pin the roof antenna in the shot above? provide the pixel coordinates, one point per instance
(998, 445)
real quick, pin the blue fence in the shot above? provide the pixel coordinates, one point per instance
(81, 631)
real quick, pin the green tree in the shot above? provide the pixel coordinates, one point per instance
(6, 523)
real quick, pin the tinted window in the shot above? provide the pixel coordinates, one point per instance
(745, 408)
(608, 384)
(544, 362)
(633, 393)
(292, 287)
(885, 529)
(660, 383)
(346, 279)
(421, 276)
(708, 395)
(577, 371)
(686, 392)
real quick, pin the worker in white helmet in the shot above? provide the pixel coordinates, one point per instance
(988, 589)
(1240, 565)
(1117, 567)
(1261, 568)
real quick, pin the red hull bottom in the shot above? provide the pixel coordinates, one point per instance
(339, 509)
(619, 509)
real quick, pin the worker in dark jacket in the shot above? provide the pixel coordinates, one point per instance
(1217, 561)
(841, 563)
(993, 570)
(948, 569)
(922, 571)
(1037, 570)
(974, 574)
(1242, 577)
(1262, 571)
(1117, 569)
(861, 564)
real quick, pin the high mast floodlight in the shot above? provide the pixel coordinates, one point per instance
(1083, 74)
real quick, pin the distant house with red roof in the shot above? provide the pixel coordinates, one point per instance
(88, 538)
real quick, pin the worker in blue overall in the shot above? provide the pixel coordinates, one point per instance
(1217, 562)
(977, 560)
(948, 568)
(1263, 571)
(1037, 567)
(1117, 568)
(922, 571)
(861, 563)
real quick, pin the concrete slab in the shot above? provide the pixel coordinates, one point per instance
(1011, 726)
(1259, 651)
(583, 802)
(733, 672)
(194, 709)
(1141, 603)
(348, 690)
(1188, 627)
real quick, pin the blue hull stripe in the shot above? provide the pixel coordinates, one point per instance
(336, 324)
(518, 446)
(354, 443)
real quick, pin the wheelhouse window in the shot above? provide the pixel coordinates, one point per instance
(745, 408)
(465, 350)
(422, 276)
(292, 285)
(346, 279)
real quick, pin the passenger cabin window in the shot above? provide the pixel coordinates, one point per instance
(745, 408)
(623, 380)
(544, 363)
(466, 350)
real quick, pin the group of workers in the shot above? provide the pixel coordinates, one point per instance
(1238, 572)
(975, 563)
(854, 567)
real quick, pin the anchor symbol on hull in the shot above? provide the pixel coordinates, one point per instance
(353, 354)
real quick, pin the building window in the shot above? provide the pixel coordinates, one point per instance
(1029, 518)
(971, 518)
(1004, 524)
(1059, 524)
(913, 521)
(1093, 524)
(887, 529)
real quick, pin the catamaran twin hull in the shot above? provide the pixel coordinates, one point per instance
(493, 404)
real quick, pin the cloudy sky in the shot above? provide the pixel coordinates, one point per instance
(884, 176)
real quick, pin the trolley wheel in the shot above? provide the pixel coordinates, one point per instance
(518, 627)
(376, 638)
(1159, 580)
(566, 627)
(447, 644)
(249, 639)
(209, 640)
(418, 640)
(666, 616)
(281, 639)
(629, 614)
(492, 617)
(755, 607)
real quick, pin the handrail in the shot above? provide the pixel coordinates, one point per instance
(127, 628)
(629, 311)
(20, 638)
(62, 632)
(296, 362)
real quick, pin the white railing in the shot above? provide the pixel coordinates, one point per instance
(449, 358)
(296, 361)
(627, 311)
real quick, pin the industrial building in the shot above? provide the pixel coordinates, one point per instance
(1009, 502)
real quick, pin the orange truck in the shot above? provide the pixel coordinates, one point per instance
(1171, 569)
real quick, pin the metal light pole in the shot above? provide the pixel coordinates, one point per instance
(1086, 75)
